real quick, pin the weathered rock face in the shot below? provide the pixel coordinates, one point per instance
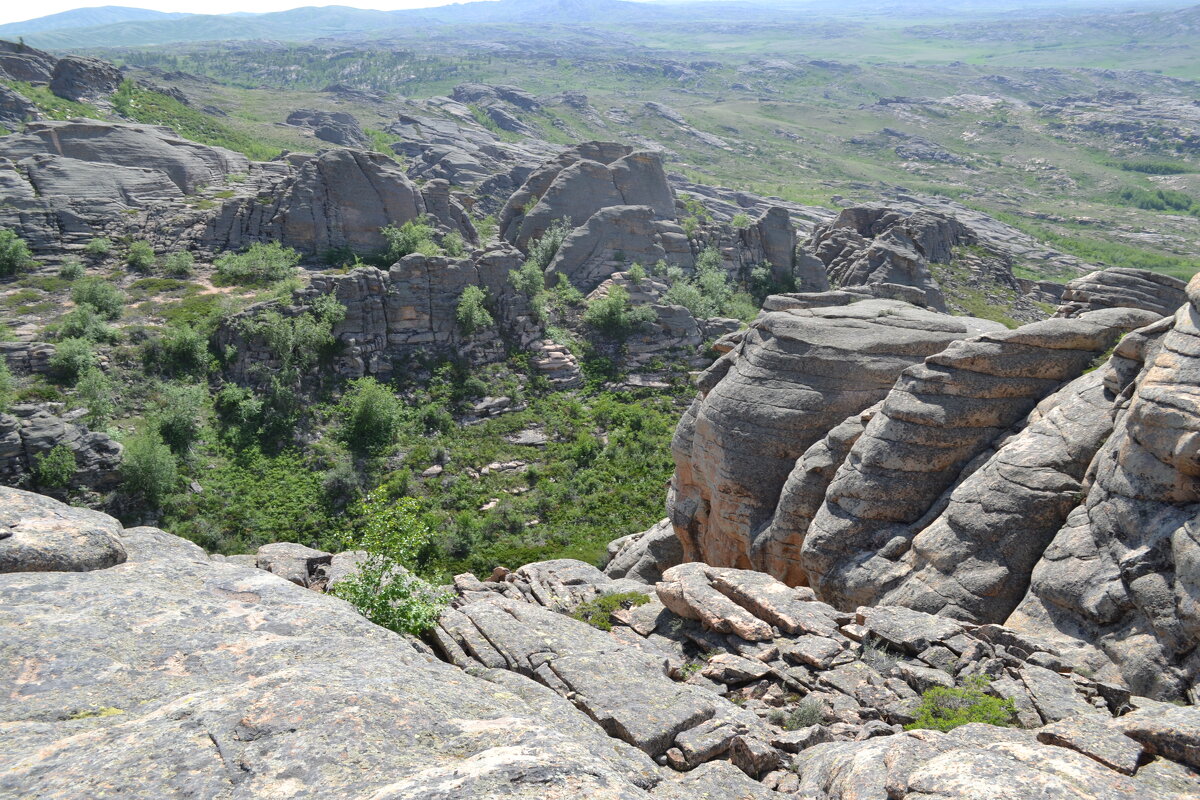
(612, 239)
(939, 417)
(643, 556)
(1124, 571)
(1120, 287)
(336, 127)
(398, 313)
(15, 109)
(20, 62)
(793, 376)
(869, 245)
(29, 431)
(38, 534)
(84, 79)
(581, 181)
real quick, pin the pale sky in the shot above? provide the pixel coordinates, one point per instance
(17, 12)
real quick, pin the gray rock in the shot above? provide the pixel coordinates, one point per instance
(84, 79)
(38, 534)
(1053, 695)
(1121, 287)
(1099, 742)
(336, 127)
(292, 562)
(644, 556)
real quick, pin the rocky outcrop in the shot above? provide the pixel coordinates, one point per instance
(30, 431)
(872, 245)
(84, 79)
(20, 62)
(15, 109)
(614, 238)
(582, 181)
(940, 416)
(792, 377)
(1120, 287)
(1122, 574)
(38, 534)
(335, 127)
(643, 556)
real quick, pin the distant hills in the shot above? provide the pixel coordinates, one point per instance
(121, 26)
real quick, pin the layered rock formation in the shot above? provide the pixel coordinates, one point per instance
(1020, 477)
(30, 431)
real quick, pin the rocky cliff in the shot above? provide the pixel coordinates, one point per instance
(1021, 477)
(209, 677)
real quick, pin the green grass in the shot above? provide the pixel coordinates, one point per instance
(51, 105)
(154, 108)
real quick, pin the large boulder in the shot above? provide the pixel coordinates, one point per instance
(612, 239)
(20, 62)
(793, 375)
(335, 127)
(84, 79)
(30, 431)
(940, 416)
(1121, 287)
(38, 534)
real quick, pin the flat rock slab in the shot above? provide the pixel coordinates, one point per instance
(1169, 731)
(1053, 695)
(911, 631)
(1091, 736)
(38, 534)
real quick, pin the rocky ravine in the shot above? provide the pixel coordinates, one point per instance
(186, 676)
(1018, 477)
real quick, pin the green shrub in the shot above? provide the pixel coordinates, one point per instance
(740, 220)
(944, 709)
(637, 274)
(383, 589)
(1156, 167)
(454, 244)
(104, 297)
(8, 389)
(179, 415)
(471, 312)
(181, 350)
(598, 612)
(1155, 199)
(180, 264)
(486, 228)
(807, 713)
(614, 316)
(259, 265)
(414, 236)
(299, 342)
(98, 247)
(85, 323)
(71, 269)
(140, 256)
(529, 279)
(94, 392)
(72, 358)
(14, 253)
(148, 468)
(371, 416)
(56, 468)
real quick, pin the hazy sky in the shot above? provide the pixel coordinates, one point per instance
(16, 12)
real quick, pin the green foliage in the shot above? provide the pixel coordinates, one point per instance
(454, 245)
(14, 253)
(944, 709)
(148, 468)
(180, 264)
(486, 228)
(370, 415)
(140, 256)
(299, 342)
(154, 108)
(8, 387)
(383, 589)
(103, 297)
(94, 391)
(806, 713)
(179, 414)
(740, 220)
(72, 358)
(529, 279)
(71, 269)
(1147, 167)
(1156, 199)
(471, 312)
(598, 612)
(55, 469)
(50, 105)
(85, 323)
(637, 274)
(709, 292)
(414, 236)
(695, 214)
(614, 316)
(381, 142)
(260, 264)
(180, 350)
(99, 247)
(543, 250)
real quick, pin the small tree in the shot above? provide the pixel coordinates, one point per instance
(259, 265)
(104, 297)
(14, 253)
(371, 416)
(181, 350)
(140, 256)
(72, 358)
(94, 391)
(71, 269)
(98, 247)
(148, 467)
(179, 415)
(414, 236)
(944, 709)
(383, 589)
(85, 323)
(180, 264)
(55, 469)
(614, 316)
(472, 312)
